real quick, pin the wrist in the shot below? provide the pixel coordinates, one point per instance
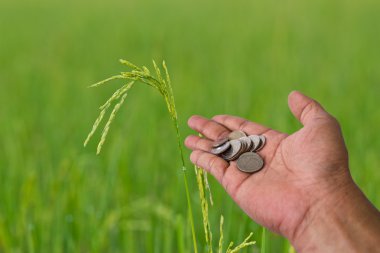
(341, 220)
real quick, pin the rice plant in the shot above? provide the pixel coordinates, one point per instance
(202, 183)
(163, 85)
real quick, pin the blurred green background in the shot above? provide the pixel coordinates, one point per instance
(238, 57)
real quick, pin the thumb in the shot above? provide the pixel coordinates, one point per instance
(306, 109)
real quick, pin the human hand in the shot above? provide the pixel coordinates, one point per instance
(304, 172)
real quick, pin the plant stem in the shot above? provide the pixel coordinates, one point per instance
(184, 171)
(263, 241)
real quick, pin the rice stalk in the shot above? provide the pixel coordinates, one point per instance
(106, 80)
(110, 120)
(220, 246)
(204, 206)
(117, 94)
(263, 241)
(242, 245)
(163, 85)
(208, 188)
(201, 182)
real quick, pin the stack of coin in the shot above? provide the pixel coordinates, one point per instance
(238, 146)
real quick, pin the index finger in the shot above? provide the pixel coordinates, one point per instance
(208, 128)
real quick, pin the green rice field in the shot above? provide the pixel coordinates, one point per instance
(225, 57)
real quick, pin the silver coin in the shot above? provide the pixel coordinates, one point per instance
(221, 149)
(241, 151)
(262, 142)
(234, 135)
(250, 162)
(233, 157)
(248, 143)
(259, 146)
(256, 142)
(243, 143)
(219, 142)
(233, 151)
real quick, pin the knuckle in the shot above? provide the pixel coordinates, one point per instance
(309, 107)
(207, 127)
(203, 124)
(334, 121)
(200, 159)
(212, 162)
(203, 144)
(195, 156)
(330, 121)
(222, 134)
(243, 124)
(219, 117)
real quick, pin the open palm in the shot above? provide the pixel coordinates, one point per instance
(300, 169)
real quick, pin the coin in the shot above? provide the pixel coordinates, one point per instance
(250, 162)
(241, 151)
(221, 149)
(219, 142)
(233, 151)
(262, 142)
(247, 143)
(243, 143)
(256, 142)
(236, 135)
